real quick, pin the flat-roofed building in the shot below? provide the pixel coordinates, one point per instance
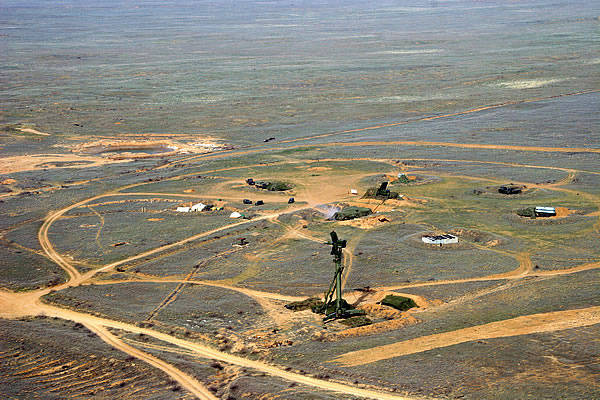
(545, 211)
(439, 239)
(198, 207)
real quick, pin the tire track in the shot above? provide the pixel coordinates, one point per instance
(173, 295)
(99, 228)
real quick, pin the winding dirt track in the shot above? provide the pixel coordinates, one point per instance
(96, 323)
(29, 304)
(26, 304)
(191, 384)
(74, 275)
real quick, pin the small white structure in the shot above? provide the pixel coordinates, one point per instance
(183, 209)
(439, 239)
(545, 211)
(198, 207)
(353, 191)
(235, 214)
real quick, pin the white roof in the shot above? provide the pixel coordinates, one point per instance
(546, 209)
(183, 209)
(235, 214)
(439, 239)
(353, 191)
(198, 207)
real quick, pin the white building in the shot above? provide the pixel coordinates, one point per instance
(545, 211)
(235, 214)
(198, 207)
(440, 239)
(183, 209)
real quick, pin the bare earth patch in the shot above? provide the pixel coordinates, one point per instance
(33, 131)
(147, 146)
(14, 164)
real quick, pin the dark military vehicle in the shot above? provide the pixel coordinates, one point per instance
(351, 212)
(382, 192)
(510, 189)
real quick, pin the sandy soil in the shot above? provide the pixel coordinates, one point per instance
(562, 212)
(368, 222)
(14, 164)
(99, 152)
(33, 131)
(376, 328)
(535, 323)
(318, 168)
(120, 148)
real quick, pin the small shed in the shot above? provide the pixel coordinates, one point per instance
(235, 214)
(198, 207)
(545, 211)
(353, 191)
(183, 209)
(439, 239)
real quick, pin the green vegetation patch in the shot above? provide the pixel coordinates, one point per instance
(316, 305)
(278, 186)
(398, 302)
(298, 150)
(312, 303)
(355, 322)
(331, 307)
(403, 179)
(527, 212)
(373, 193)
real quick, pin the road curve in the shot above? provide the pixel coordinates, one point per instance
(210, 353)
(189, 383)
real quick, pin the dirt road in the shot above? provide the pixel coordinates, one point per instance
(14, 305)
(535, 323)
(19, 305)
(189, 383)
(210, 353)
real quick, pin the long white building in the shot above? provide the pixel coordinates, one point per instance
(439, 239)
